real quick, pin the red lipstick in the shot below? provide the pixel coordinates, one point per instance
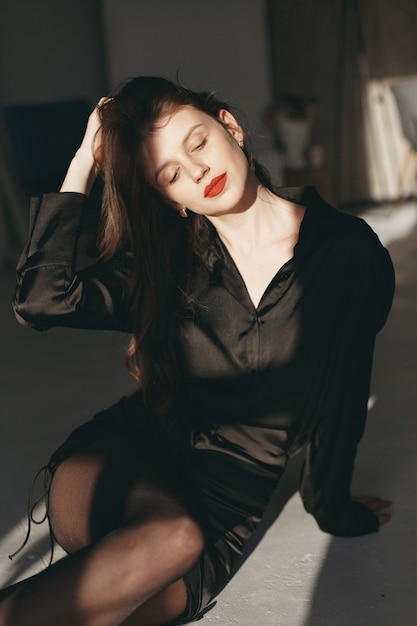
(215, 186)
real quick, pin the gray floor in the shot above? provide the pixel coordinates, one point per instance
(296, 576)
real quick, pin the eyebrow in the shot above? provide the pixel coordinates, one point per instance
(184, 141)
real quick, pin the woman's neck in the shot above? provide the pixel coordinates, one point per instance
(268, 221)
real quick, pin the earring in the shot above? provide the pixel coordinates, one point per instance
(183, 212)
(241, 143)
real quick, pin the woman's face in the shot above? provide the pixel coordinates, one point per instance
(195, 162)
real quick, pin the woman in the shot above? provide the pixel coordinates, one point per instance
(253, 323)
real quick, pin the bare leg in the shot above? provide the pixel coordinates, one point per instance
(130, 539)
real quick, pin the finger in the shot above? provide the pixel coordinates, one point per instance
(378, 505)
(365, 499)
(383, 518)
(100, 104)
(372, 500)
(372, 503)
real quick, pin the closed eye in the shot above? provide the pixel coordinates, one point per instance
(200, 145)
(175, 177)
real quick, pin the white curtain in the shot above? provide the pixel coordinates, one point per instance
(390, 158)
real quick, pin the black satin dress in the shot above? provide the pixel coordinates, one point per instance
(258, 384)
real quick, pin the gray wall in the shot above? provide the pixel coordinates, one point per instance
(50, 50)
(214, 44)
(59, 49)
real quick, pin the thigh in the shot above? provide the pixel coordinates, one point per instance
(107, 484)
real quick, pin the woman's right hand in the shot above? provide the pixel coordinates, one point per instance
(83, 167)
(376, 505)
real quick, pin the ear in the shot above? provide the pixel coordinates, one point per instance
(231, 125)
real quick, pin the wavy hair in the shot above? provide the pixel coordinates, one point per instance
(135, 216)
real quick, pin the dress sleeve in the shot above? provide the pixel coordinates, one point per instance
(330, 454)
(50, 291)
(329, 463)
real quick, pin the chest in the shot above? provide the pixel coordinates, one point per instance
(258, 269)
(301, 306)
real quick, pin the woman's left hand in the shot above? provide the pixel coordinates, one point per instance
(376, 505)
(83, 168)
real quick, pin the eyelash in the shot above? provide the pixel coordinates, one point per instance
(196, 149)
(174, 178)
(200, 145)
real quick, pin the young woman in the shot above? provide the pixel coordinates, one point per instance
(253, 323)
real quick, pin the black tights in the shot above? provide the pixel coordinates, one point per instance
(130, 541)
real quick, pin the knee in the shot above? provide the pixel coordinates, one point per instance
(169, 547)
(164, 519)
(181, 541)
(186, 538)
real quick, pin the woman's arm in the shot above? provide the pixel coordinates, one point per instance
(329, 463)
(328, 468)
(330, 454)
(50, 291)
(82, 171)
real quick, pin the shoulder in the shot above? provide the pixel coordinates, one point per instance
(347, 238)
(359, 246)
(344, 227)
(349, 229)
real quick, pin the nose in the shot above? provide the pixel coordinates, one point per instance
(199, 171)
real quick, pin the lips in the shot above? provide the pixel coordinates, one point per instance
(215, 186)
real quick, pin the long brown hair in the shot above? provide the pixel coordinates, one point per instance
(164, 246)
